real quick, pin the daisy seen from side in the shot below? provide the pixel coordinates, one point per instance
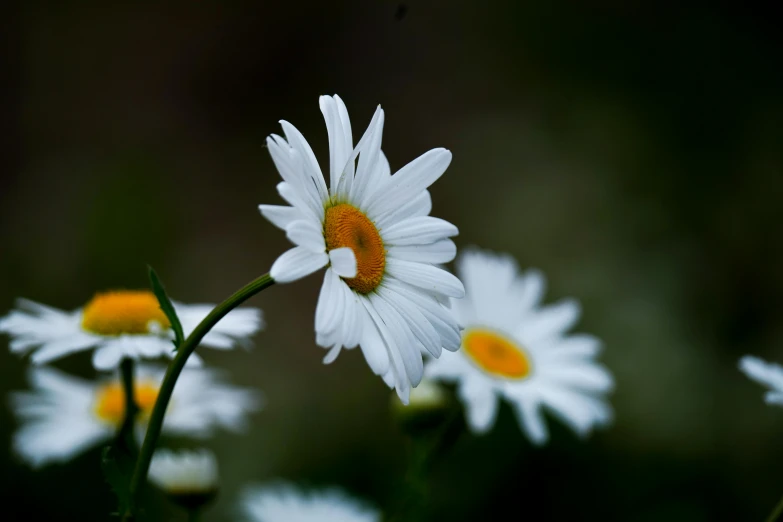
(62, 415)
(516, 349)
(118, 324)
(372, 231)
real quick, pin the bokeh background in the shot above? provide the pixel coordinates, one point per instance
(632, 152)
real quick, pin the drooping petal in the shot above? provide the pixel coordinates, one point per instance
(343, 261)
(296, 264)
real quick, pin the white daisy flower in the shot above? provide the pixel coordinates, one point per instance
(286, 504)
(514, 348)
(118, 324)
(382, 290)
(768, 374)
(189, 478)
(64, 415)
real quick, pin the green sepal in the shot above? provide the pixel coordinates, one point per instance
(167, 307)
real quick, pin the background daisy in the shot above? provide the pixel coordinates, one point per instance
(382, 289)
(768, 374)
(516, 349)
(284, 503)
(190, 476)
(118, 324)
(64, 415)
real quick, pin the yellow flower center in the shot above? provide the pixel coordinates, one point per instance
(347, 226)
(496, 354)
(123, 312)
(110, 401)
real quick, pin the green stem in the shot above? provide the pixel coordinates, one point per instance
(425, 451)
(194, 515)
(169, 380)
(775, 516)
(125, 433)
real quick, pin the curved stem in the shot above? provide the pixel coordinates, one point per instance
(775, 516)
(169, 380)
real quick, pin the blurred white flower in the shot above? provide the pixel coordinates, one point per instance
(118, 324)
(64, 415)
(768, 374)
(187, 475)
(285, 503)
(382, 289)
(514, 348)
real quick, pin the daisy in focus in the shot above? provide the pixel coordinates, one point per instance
(118, 324)
(516, 349)
(189, 478)
(63, 415)
(768, 374)
(372, 230)
(287, 504)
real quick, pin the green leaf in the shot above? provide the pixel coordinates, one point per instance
(167, 307)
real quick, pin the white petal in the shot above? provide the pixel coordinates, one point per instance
(107, 357)
(418, 231)
(481, 404)
(550, 321)
(306, 234)
(427, 277)
(279, 215)
(400, 332)
(402, 383)
(421, 205)
(591, 377)
(327, 310)
(440, 318)
(435, 253)
(372, 345)
(352, 324)
(409, 181)
(534, 286)
(763, 372)
(296, 264)
(340, 139)
(528, 413)
(368, 175)
(343, 262)
(581, 412)
(419, 325)
(58, 348)
(330, 357)
(310, 207)
(312, 170)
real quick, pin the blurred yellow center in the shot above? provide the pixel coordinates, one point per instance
(347, 226)
(110, 401)
(496, 354)
(123, 312)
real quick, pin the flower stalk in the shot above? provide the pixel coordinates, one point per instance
(173, 371)
(125, 434)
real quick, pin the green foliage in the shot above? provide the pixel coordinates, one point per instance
(117, 464)
(167, 307)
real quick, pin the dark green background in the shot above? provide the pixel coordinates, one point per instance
(631, 152)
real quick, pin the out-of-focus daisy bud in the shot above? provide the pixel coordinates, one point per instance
(189, 478)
